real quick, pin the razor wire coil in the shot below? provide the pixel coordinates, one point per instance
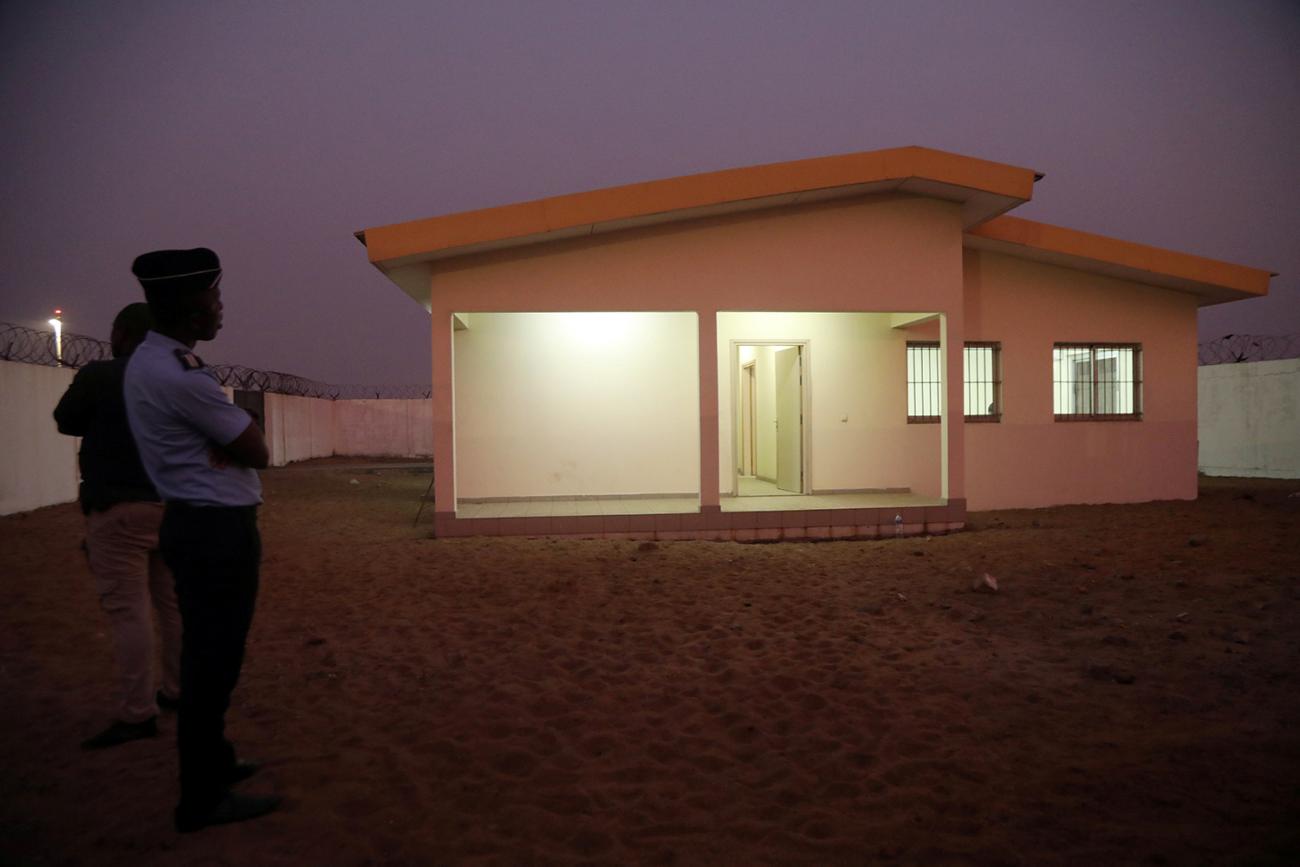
(1237, 348)
(31, 346)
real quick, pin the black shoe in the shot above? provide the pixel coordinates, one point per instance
(166, 702)
(122, 732)
(241, 771)
(231, 808)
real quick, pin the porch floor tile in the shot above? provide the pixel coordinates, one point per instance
(685, 505)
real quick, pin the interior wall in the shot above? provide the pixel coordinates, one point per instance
(576, 404)
(1029, 459)
(855, 373)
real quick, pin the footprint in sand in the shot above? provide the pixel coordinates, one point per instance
(785, 683)
(597, 746)
(498, 731)
(588, 843)
(743, 733)
(515, 763)
(811, 702)
(841, 790)
(820, 828)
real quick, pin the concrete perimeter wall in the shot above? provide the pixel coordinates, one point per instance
(1249, 419)
(300, 428)
(397, 428)
(38, 465)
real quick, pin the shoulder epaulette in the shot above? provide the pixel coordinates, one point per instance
(188, 360)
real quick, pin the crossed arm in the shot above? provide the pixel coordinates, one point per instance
(249, 448)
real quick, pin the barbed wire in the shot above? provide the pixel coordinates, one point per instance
(251, 379)
(30, 346)
(18, 343)
(1234, 348)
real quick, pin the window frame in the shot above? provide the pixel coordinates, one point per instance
(984, 418)
(1135, 385)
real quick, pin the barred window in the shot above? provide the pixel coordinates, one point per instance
(982, 365)
(924, 382)
(1096, 381)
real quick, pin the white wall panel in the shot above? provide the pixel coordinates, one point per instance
(1248, 419)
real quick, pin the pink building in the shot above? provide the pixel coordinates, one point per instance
(857, 345)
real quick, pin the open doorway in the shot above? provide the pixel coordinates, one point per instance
(771, 442)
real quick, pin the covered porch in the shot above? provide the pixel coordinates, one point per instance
(595, 424)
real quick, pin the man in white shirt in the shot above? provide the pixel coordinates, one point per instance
(202, 454)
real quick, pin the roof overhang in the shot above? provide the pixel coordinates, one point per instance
(404, 251)
(1210, 280)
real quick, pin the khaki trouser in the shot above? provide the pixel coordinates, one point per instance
(129, 573)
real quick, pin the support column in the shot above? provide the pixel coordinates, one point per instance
(952, 339)
(708, 352)
(444, 442)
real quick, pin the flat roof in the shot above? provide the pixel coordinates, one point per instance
(1212, 280)
(984, 189)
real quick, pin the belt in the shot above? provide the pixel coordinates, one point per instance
(182, 506)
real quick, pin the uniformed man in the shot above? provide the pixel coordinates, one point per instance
(122, 519)
(202, 453)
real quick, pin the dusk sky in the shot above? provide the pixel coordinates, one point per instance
(271, 131)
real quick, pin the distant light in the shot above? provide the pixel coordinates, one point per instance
(57, 324)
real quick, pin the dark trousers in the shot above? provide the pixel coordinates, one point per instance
(214, 554)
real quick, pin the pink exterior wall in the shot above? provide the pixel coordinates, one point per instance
(1030, 460)
(886, 253)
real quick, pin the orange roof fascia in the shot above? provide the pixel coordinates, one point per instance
(420, 237)
(1070, 242)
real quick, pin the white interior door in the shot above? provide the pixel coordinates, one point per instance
(789, 420)
(748, 460)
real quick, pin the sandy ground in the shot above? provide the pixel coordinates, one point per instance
(1129, 696)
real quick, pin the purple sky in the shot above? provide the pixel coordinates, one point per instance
(272, 131)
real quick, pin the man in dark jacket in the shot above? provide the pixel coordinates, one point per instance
(123, 516)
